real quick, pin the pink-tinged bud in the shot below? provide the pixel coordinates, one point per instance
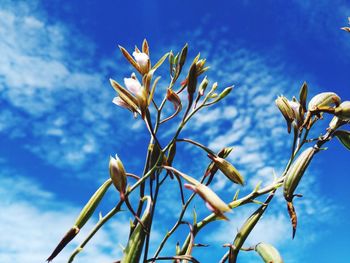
(119, 102)
(126, 99)
(174, 99)
(215, 203)
(227, 169)
(212, 201)
(133, 85)
(142, 59)
(117, 174)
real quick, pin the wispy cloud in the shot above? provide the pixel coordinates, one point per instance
(33, 220)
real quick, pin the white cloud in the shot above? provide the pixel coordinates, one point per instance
(33, 221)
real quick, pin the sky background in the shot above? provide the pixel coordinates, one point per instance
(58, 125)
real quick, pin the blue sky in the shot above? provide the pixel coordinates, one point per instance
(58, 126)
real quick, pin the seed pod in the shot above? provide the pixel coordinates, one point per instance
(344, 137)
(286, 110)
(83, 217)
(212, 168)
(323, 99)
(227, 169)
(117, 174)
(343, 110)
(192, 84)
(245, 230)
(296, 172)
(268, 253)
(133, 250)
(223, 94)
(303, 96)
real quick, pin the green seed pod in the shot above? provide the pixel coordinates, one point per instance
(83, 217)
(212, 168)
(245, 230)
(133, 250)
(183, 55)
(192, 80)
(117, 174)
(303, 96)
(268, 253)
(323, 99)
(227, 169)
(343, 110)
(223, 94)
(344, 137)
(296, 172)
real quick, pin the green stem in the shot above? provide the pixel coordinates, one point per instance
(109, 215)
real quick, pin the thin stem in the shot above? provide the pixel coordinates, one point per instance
(109, 215)
(197, 144)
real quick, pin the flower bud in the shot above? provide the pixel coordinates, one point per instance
(286, 110)
(268, 253)
(203, 86)
(227, 169)
(323, 99)
(117, 174)
(343, 110)
(174, 99)
(142, 59)
(125, 98)
(296, 172)
(212, 201)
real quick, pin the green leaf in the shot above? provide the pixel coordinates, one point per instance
(344, 137)
(160, 61)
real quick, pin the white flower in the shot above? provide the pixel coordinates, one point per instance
(141, 59)
(119, 102)
(295, 106)
(133, 85)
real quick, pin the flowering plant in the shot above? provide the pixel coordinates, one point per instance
(138, 96)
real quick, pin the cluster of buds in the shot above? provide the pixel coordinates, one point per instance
(137, 96)
(293, 110)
